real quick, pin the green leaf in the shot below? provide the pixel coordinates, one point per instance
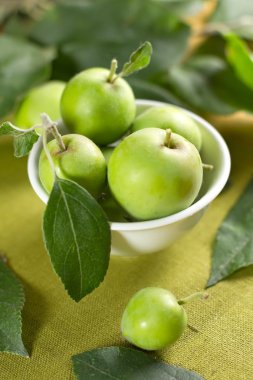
(192, 82)
(207, 83)
(139, 59)
(122, 363)
(238, 56)
(7, 128)
(23, 140)
(148, 90)
(233, 246)
(22, 65)
(23, 143)
(207, 72)
(77, 238)
(122, 25)
(12, 300)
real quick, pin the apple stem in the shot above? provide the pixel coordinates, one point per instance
(167, 138)
(114, 66)
(58, 137)
(207, 167)
(200, 295)
(52, 127)
(49, 157)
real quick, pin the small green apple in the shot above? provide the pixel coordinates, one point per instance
(94, 106)
(82, 162)
(44, 98)
(170, 117)
(153, 319)
(153, 173)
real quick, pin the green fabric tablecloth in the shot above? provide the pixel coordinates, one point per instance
(55, 327)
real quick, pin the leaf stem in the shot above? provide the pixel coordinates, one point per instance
(49, 157)
(24, 130)
(200, 295)
(114, 66)
(52, 127)
(58, 137)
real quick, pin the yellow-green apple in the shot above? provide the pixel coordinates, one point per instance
(81, 161)
(153, 319)
(97, 107)
(41, 99)
(154, 173)
(170, 117)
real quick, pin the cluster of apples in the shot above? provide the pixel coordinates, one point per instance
(154, 171)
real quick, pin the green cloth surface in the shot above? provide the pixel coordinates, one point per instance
(55, 327)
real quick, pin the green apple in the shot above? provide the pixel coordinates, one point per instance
(94, 106)
(82, 162)
(41, 99)
(170, 117)
(111, 207)
(153, 173)
(153, 319)
(113, 210)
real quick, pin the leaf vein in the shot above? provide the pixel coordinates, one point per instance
(74, 236)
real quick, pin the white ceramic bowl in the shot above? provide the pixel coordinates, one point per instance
(134, 238)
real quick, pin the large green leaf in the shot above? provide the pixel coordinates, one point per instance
(239, 56)
(91, 33)
(149, 90)
(77, 238)
(22, 65)
(12, 300)
(122, 363)
(207, 82)
(233, 246)
(191, 83)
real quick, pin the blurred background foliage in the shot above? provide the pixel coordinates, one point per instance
(202, 56)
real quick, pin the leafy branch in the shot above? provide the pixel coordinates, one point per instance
(75, 228)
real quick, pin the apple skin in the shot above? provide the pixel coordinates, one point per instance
(170, 117)
(82, 162)
(93, 107)
(153, 319)
(150, 180)
(113, 210)
(107, 152)
(45, 98)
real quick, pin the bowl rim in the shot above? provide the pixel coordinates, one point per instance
(208, 197)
